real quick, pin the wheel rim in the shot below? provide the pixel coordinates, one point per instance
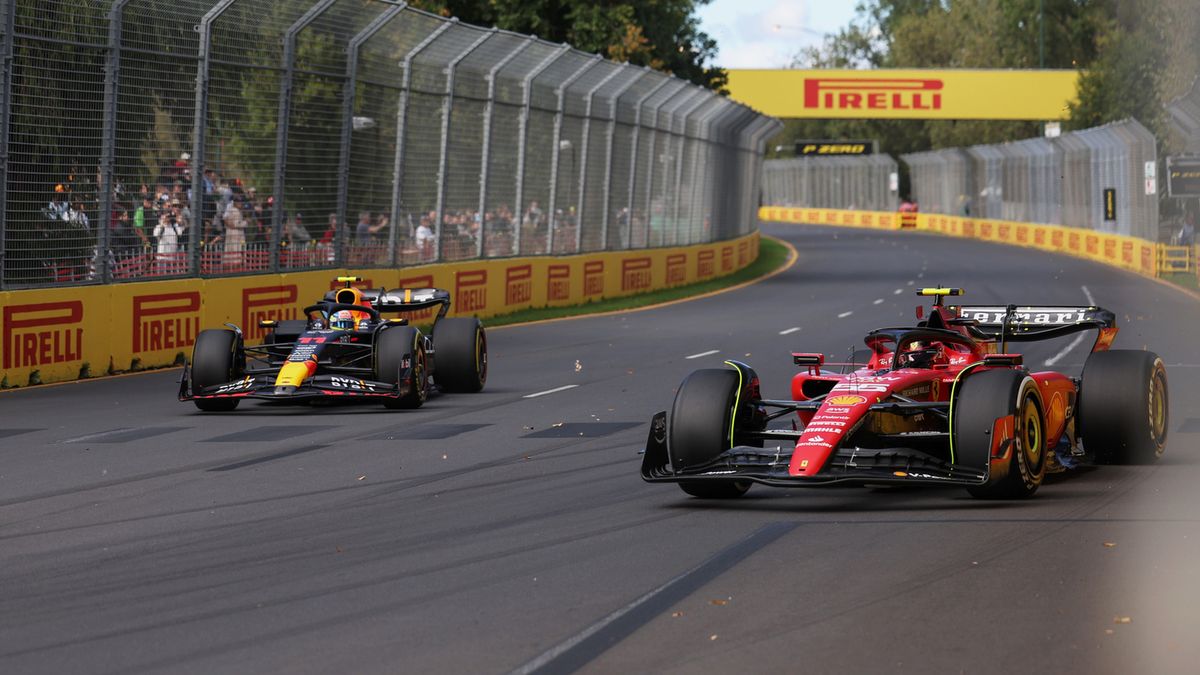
(1031, 433)
(1158, 406)
(480, 356)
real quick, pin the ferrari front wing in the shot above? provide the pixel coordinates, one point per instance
(847, 466)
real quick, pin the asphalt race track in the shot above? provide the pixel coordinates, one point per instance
(510, 530)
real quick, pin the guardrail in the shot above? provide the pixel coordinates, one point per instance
(216, 137)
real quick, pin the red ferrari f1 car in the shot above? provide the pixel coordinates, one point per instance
(344, 351)
(941, 403)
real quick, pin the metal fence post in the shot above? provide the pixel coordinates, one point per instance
(633, 156)
(401, 120)
(486, 147)
(200, 126)
(561, 92)
(694, 102)
(348, 94)
(9, 8)
(281, 125)
(609, 139)
(108, 141)
(584, 141)
(443, 156)
(523, 132)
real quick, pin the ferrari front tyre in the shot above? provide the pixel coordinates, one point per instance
(700, 428)
(1122, 414)
(215, 361)
(998, 428)
(400, 353)
(460, 355)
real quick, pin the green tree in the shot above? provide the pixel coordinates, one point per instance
(662, 34)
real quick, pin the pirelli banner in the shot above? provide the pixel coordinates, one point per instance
(907, 94)
(59, 334)
(1129, 253)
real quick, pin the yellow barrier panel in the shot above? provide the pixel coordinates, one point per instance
(1130, 253)
(1176, 259)
(58, 334)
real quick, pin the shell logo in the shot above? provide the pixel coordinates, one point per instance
(845, 400)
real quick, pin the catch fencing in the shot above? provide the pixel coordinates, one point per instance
(216, 137)
(861, 182)
(1102, 179)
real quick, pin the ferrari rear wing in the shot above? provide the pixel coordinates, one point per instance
(1039, 322)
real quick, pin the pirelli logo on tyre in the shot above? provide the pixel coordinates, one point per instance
(470, 291)
(276, 303)
(558, 283)
(676, 268)
(637, 274)
(165, 321)
(42, 334)
(518, 285)
(593, 278)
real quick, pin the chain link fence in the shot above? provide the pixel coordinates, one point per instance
(1102, 179)
(220, 137)
(861, 182)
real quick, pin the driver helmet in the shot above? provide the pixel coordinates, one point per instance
(342, 320)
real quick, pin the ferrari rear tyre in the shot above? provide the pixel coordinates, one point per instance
(983, 399)
(700, 428)
(460, 355)
(1123, 413)
(398, 350)
(215, 361)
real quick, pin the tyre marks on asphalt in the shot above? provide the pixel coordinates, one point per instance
(423, 432)
(125, 434)
(268, 457)
(583, 429)
(584, 647)
(268, 433)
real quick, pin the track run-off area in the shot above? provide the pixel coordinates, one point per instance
(510, 530)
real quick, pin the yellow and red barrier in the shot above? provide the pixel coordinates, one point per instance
(1129, 253)
(57, 334)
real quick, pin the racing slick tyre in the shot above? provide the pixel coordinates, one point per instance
(460, 355)
(700, 428)
(981, 400)
(393, 348)
(1122, 414)
(215, 361)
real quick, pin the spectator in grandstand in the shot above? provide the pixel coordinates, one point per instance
(167, 233)
(235, 233)
(424, 239)
(1187, 233)
(143, 213)
(362, 229)
(297, 235)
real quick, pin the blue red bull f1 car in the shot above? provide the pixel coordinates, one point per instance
(346, 350)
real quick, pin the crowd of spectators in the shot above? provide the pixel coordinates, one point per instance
(154, 228)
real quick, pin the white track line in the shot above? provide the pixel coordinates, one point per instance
(844, 315)
(898, 291)
(1066, 350)
(551, 391)
(789, 331)
(1078, 338)
(878, 301)
(703, 354)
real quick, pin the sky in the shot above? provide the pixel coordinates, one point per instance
(768, 33)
